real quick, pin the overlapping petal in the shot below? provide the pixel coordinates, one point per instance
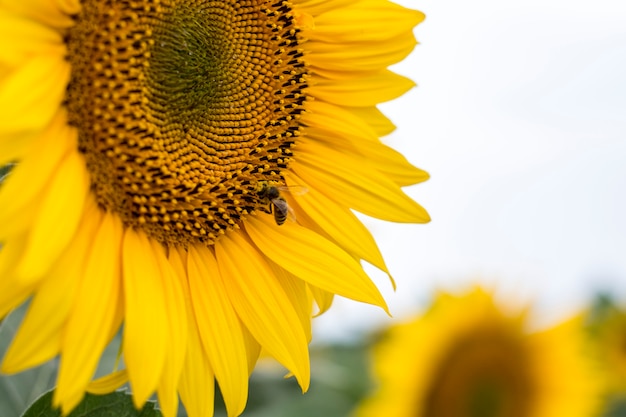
(263, 305)
(92, 317)
(146, 329)
(220, 329)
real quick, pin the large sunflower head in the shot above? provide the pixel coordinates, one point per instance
(188, 169)
(467, 356)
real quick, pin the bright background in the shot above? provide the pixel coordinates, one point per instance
(520, 118)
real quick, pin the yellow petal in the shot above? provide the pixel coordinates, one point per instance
(12, 292)
(253, 349)
(39, 336)
(296, 291)
(69, 7)
(361, 56)
(178, 260)
(337, 127)
(14, 147)
(352, 183)
(89, 324)
(383, 20)
(197, 382)
(176, 345)
(318, 7)
(313, 259)
(108, 383)
(323, 299)
(60, 210)
(27, 37)
(24, 108)
(374, 118)
(219, 327)
(360, 91)
(339, 223)
(44, 11)
(328, 120)
(146, 325)
(262, 304)
(20, 194)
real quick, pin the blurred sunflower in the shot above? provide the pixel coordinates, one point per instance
(154, 141)
(610, 337)
(468, 357)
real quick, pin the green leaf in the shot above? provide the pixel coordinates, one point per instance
(116, 404)
(4, 171)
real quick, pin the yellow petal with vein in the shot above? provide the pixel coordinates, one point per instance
(219, 326)
(352, 183)
(197, 382)
(108, 383)
(362, 56)
(339, 223)
(361, 91)
(253, 349)
(313, 259)
(262, 304)
(27, 37)
(39, 336)
(146, 324)
(328, 120)
(323, 299)
(14, 147)
(89, 324)
(24, 108)
(22, 190)
(383, 20)
(45, 11)
(318, 7)
(296, 291)
(374, 118)
(60, 210)
(178, 261)
(176, 344)
(337, 127)
(69, 7)
(12, 292)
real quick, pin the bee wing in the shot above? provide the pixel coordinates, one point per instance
(5, 171)
(293, 189)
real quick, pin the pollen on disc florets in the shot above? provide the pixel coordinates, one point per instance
(183, 106)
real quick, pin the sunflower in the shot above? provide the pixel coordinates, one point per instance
(468, 357)
(186, 171)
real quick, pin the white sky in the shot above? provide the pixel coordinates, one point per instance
(520, 118)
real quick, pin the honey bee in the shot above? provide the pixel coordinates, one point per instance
(276, 204)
